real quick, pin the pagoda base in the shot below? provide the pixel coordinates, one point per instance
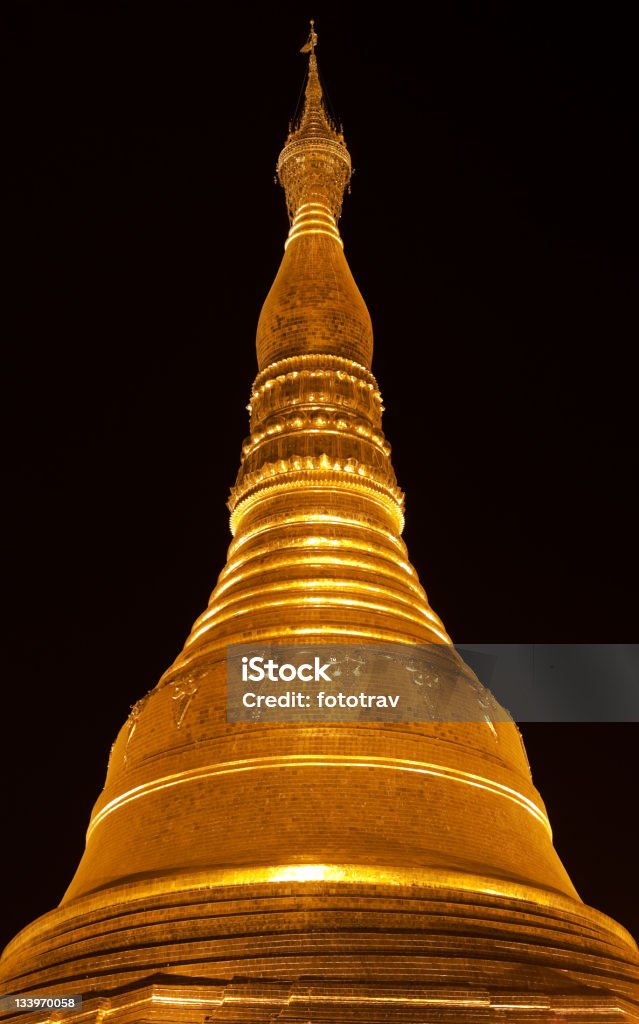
(325, 951)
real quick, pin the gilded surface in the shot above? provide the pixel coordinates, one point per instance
(376, 872)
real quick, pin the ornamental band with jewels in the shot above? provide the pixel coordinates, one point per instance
(307, 872)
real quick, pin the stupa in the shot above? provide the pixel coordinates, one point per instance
(318, 872)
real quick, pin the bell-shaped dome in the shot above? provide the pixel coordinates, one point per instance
(314, 305)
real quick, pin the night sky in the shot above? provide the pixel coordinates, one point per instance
(487, 230)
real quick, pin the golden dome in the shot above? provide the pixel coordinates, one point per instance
(314, 305)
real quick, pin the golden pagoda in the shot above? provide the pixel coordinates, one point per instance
(318, 872)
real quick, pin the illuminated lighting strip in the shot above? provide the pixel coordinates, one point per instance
(328, 999)
(319, 405)
(520, 1006)
(344, 586)
(313, 210)
(280, 556)
(268, 635)
(556, 1009)
(322, 216)
(246, 505)
(321, 761)
(364, 422)
(282, 520)
(587, 1009)
(312, 518)
(396, 582)
(376, 494)
(276, 376)
(318, 558)
(260, 485)
(402, 580)
(392, 580)
(313, 231)
(185, 1000)
(257, 998)
(418, 1000)
(230, 997)
(278, 562)
(325, 602)
(306, 468)
(313, 217)
(301, 543)
(310, 363)
(289, 432)
(314, 203)
(107, 1011)
(304, 222)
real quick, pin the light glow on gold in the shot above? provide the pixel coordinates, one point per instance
(315, 760)
(326, 601)
(300, 232)
(319, 541)
(389, 508)
(321, 519)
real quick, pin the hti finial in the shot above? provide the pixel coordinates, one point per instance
(314, 166)
(311, 42)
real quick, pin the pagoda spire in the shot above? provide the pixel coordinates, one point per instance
(314, 108)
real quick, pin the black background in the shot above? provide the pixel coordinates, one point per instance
(487, 229)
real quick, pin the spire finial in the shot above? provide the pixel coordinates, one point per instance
(311, 42)
(314, 107)
(314, 166)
